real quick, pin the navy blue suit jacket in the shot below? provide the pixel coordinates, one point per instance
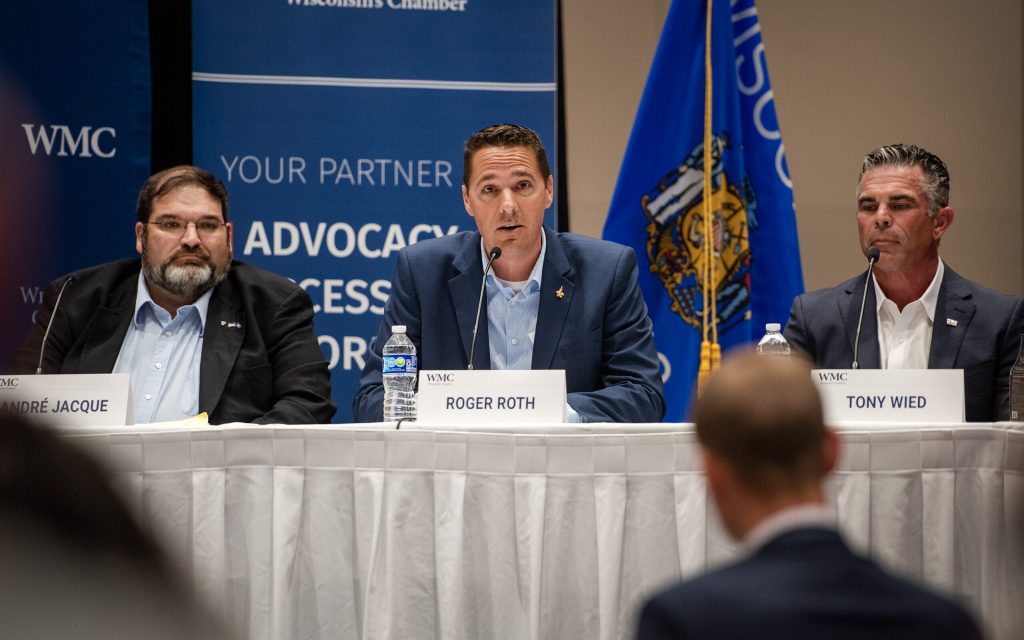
(803, 584)
(598, 330)
(260, 363)
(982, 338)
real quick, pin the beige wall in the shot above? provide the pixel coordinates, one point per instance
(847, 77)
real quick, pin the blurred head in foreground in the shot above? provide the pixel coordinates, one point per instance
(74, 562)
(764, 440)
(766, 452)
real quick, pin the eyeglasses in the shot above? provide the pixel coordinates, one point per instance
(175, 227)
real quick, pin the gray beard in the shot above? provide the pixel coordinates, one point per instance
(185, 281)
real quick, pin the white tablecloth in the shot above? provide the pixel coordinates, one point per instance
(342, 532)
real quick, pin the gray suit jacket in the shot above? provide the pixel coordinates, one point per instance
(260, 363)
(976, 329)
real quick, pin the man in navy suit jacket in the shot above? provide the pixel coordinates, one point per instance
(919, 313)
(554, 300)
(766, 452)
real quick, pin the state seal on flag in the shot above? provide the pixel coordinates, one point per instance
(677, 233)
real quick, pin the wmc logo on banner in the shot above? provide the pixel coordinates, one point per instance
(658, 206)
(339, 134)
(75, 132)
(61, 140)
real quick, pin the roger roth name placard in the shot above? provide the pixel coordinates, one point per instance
(491, 397)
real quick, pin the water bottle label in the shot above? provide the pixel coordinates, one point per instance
(400, 363)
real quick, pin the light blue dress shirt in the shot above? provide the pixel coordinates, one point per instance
(512, 318)
(162, 355)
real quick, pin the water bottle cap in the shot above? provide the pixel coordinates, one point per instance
(400, 328)
(772, 326)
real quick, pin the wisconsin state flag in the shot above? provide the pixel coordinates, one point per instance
(657, 207)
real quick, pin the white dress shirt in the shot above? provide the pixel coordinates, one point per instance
(905, 337)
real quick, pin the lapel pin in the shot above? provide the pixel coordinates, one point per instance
(951, 322)
(560, 293)
(231, 325)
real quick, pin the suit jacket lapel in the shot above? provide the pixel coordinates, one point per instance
(102, 338)
(464, 289)
(953, 313)
(222, 339)
(869, 357)
(556, 293)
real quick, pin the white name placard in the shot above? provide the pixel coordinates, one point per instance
(891, 395)
(71, 400)
(491, 397)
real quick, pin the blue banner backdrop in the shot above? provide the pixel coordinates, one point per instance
(338, 127)
(75, 133)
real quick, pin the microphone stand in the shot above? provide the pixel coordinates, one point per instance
(495, 254)
(872, 258)
(46, 335)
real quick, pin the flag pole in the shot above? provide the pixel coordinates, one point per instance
(710, 351)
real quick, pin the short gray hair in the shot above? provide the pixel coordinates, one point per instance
(935, 183)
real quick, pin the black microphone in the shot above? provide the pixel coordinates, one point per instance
(872, 259)
(46, 335)
(495, 254)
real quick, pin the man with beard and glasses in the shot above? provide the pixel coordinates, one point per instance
(197, 331)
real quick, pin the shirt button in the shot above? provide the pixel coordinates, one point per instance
(149, 396)
(515, 340)
(899, 340)
(168, 334)
(158, 365)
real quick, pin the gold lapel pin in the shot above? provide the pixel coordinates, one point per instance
(560, 293)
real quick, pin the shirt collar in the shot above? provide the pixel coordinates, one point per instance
(929, 299)
(143, 300)
(536, 274)
(804, 516)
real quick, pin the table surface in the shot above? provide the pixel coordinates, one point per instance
(524, 532)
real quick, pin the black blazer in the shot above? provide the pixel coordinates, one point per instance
(804, 584)
(976, 329)
(260, 363)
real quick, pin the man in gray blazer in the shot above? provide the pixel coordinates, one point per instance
(919, 312)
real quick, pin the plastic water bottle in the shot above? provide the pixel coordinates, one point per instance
(399, 376)
(773, 343)
(1017, 384)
